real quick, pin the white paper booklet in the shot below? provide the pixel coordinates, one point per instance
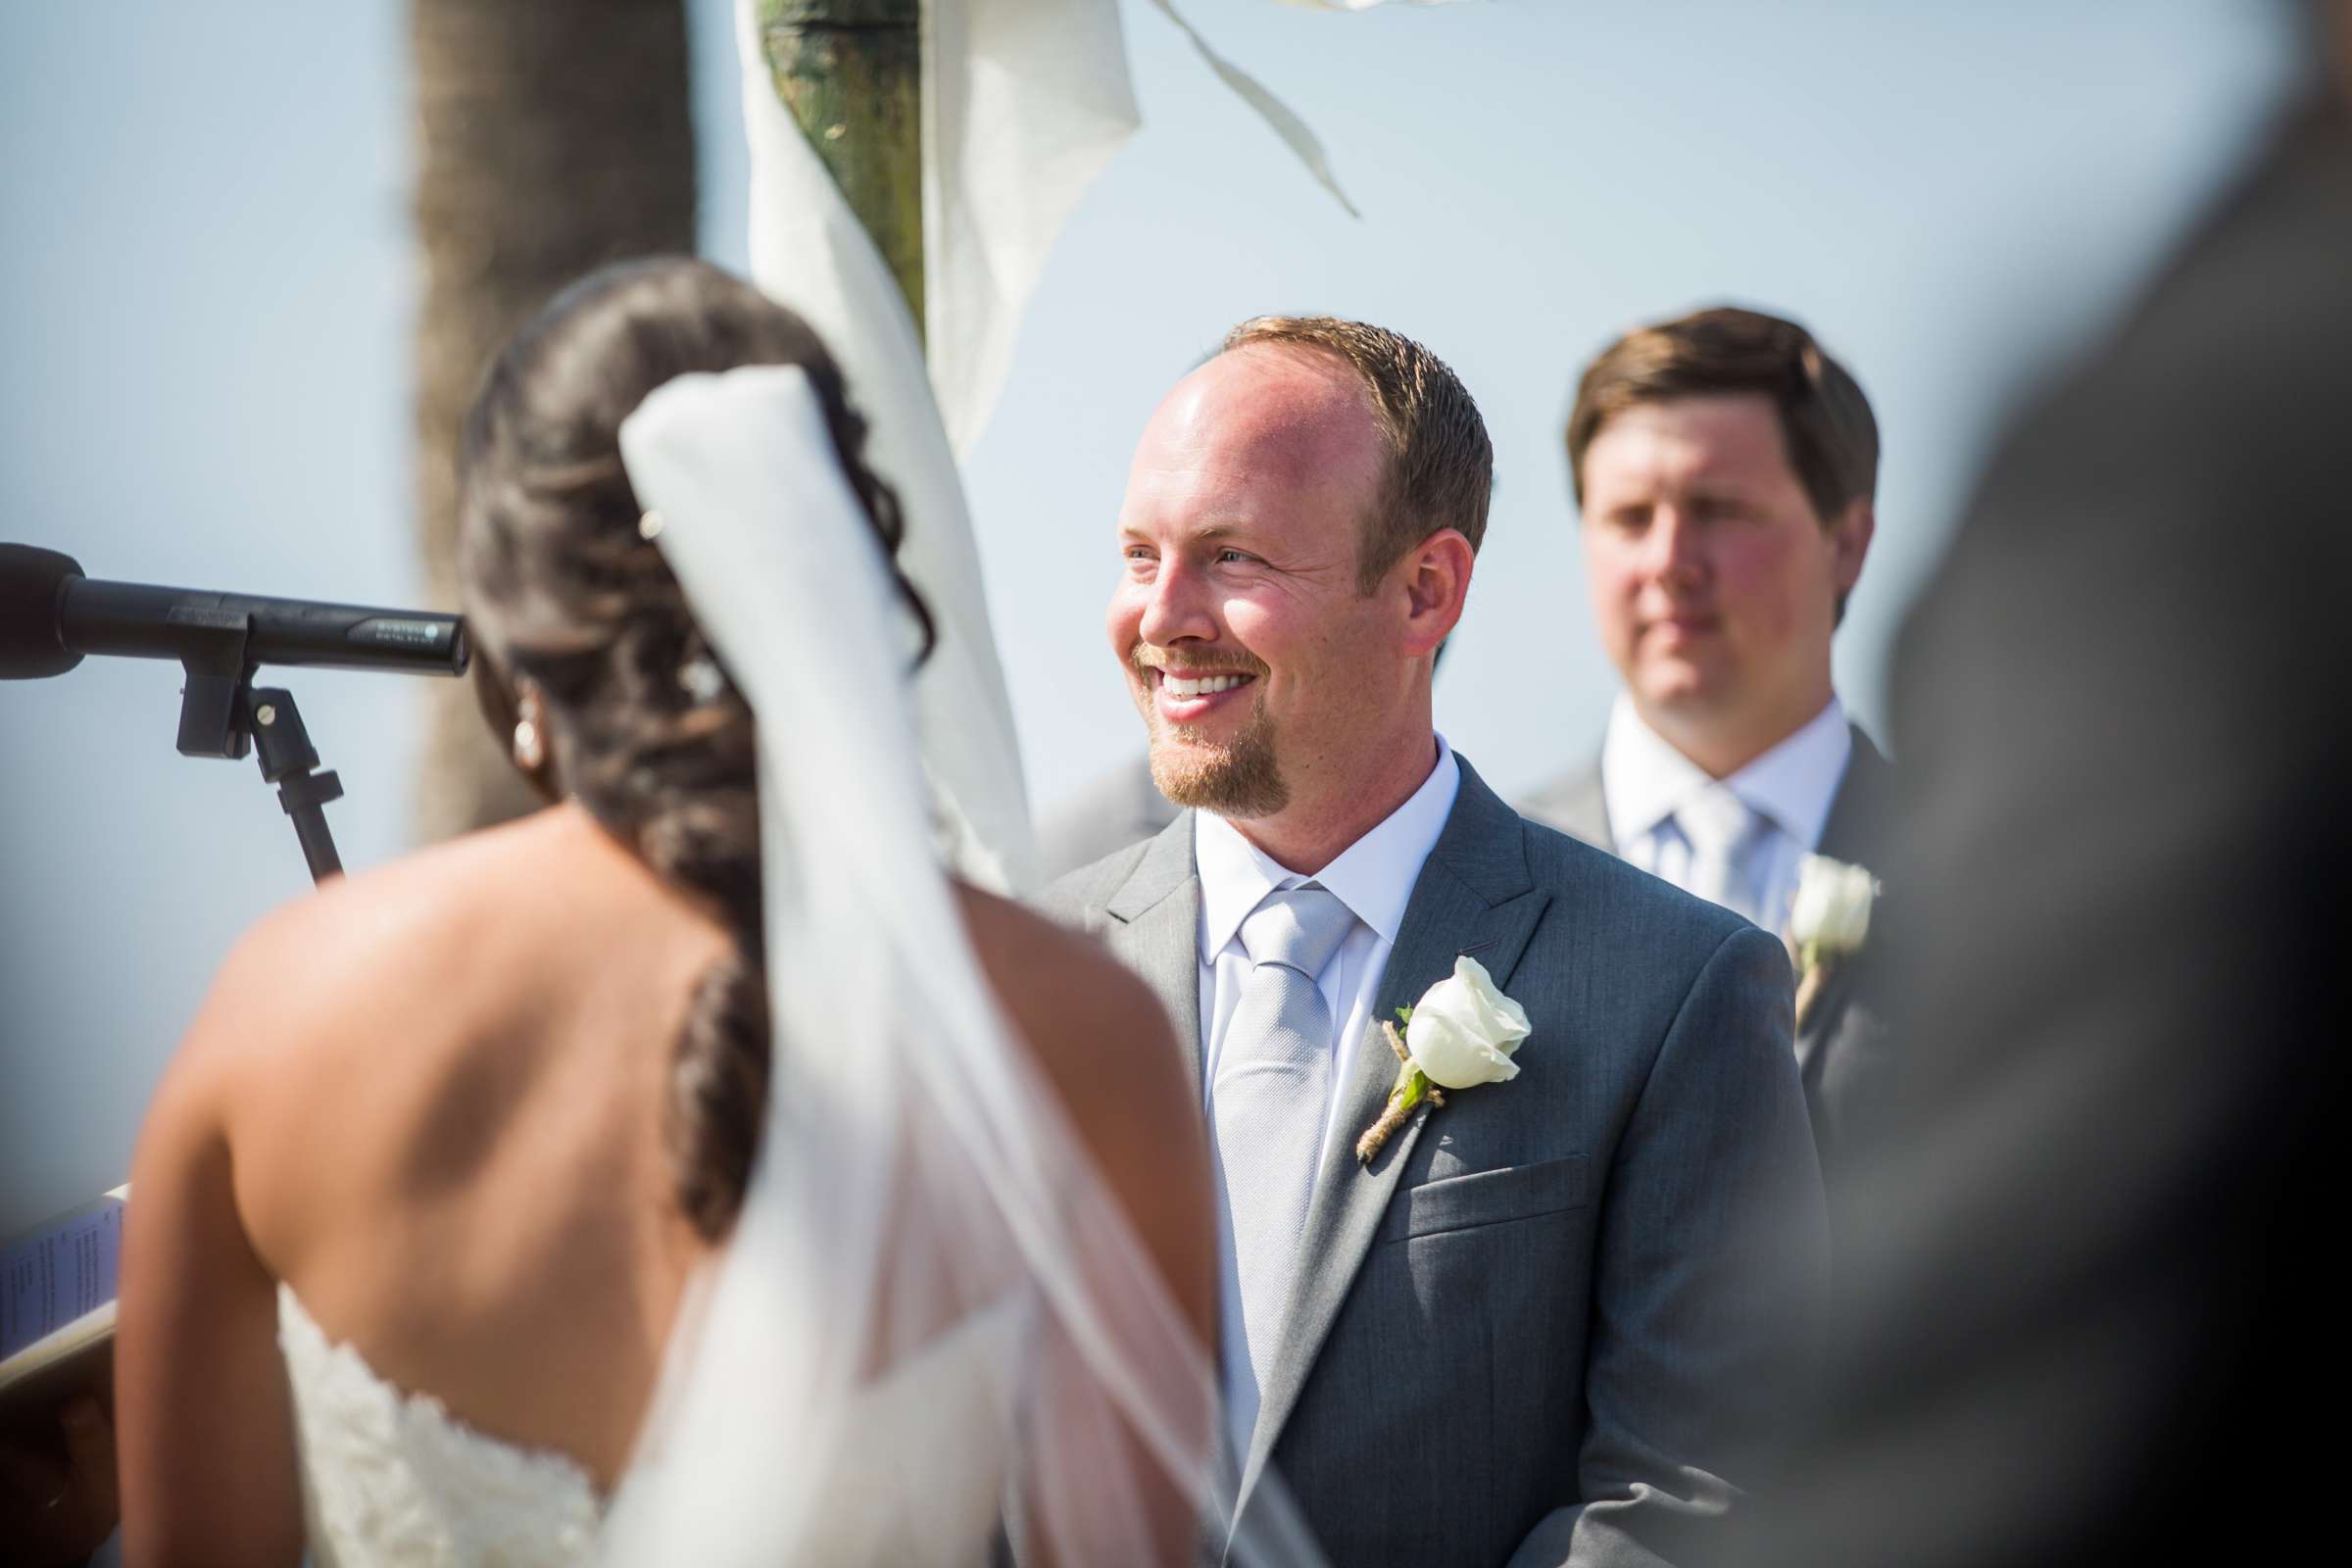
(57, 1305)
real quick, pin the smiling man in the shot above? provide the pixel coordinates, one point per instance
(1726, 468)
(1548, 1320)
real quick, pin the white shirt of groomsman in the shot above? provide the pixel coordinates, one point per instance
(1790, 788)
(1726, 468)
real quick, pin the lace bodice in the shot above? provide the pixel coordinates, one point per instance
(392, 1476)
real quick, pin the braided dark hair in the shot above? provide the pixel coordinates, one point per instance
(563, 590)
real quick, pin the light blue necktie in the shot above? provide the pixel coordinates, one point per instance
(1273, 1085)
(1723, 833)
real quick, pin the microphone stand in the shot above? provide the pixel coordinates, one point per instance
(282, 747)
(222, 713)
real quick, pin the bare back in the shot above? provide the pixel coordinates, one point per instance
(441, 1091)
(449, 1142)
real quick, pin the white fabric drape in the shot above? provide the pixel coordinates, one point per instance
(808, 252)
(1024, 103)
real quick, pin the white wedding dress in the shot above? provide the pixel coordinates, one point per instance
(390, 1477)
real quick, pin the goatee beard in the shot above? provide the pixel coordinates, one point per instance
(1241, 779)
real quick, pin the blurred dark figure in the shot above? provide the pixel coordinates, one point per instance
(58, 1498)
(2082, 1273)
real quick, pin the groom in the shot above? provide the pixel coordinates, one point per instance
(1552, 1320)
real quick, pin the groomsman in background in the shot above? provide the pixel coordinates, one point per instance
(1724, 465)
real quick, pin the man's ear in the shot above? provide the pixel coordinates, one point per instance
(1850, 533)
(1435, 580)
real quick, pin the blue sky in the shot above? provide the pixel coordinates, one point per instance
(207, 287)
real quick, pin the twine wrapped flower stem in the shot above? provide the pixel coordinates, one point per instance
(1412, 1088)
(1813, 970)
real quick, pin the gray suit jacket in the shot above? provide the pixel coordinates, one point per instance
(1550, 1321)
(1843, 1051)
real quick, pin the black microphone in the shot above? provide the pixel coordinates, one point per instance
(51, 615)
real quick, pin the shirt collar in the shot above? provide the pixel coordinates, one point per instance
(1644, 780)
(1374, 876)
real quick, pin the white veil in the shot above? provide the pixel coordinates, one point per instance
(930, 1305)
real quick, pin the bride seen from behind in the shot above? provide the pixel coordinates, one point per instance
(455, 1146)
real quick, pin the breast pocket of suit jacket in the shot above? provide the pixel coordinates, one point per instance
(1487, 1199)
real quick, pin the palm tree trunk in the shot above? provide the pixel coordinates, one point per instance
(553, 137)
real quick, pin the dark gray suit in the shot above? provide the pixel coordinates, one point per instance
(1843, 1051)
(1548, 1324)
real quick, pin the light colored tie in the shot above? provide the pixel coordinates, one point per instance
(1272, 1088)
(1724, 834)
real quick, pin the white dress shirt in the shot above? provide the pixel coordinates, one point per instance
(1644, 781)
(1374, 877)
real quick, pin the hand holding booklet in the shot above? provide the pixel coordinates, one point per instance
(57, 1308)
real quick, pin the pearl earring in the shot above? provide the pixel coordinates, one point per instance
(530, 741)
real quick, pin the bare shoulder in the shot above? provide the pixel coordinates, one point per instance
(301, 977)
(1106, 1045)
(292, 1033)
(1092, 1023)
(401, 1021)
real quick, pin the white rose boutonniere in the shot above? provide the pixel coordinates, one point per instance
(1828, 919)
(1460, 1034)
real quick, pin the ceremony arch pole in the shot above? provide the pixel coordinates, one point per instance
(851, 72)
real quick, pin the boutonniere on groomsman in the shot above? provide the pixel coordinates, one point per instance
(1726, 465)
(1828, 921)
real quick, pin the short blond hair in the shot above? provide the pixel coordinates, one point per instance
(1441, 468)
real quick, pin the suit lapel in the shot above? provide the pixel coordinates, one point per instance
(1856, 828)
(1822, 1021)
(1855, 833)
(1475, 895)
(1156, 931)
